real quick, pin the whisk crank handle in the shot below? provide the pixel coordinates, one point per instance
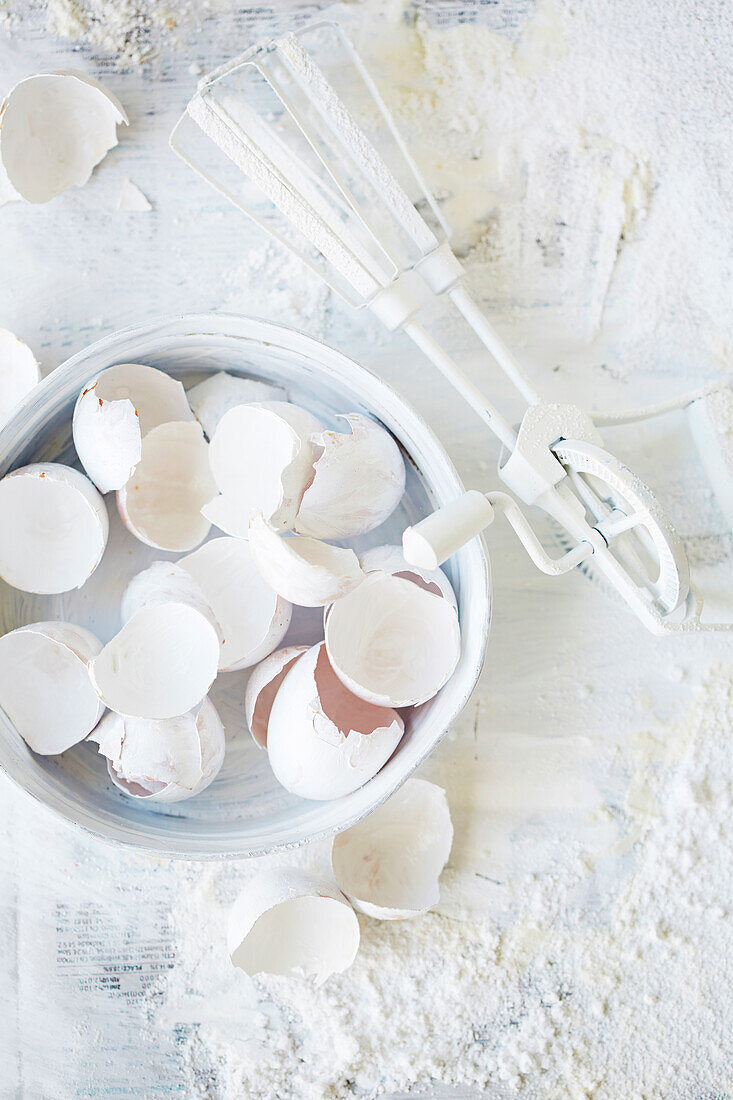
(432, 541)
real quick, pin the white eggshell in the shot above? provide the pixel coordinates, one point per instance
(293, 923)
(390, 559)
(389, 864)
(162, 761)
(301, 420)
(53, 528)
(221, 581)
(113, 414)
(19, 373)
(221, 392)
(165, 582)
(263, 686)
(160, 665)
(161, 503)
(391, 642)
(253, 618)
(132, 200)
(323, 742)
(230, 518)
(262, 459)
(359, 479)
(54, 129)
(304, 571)
(45, 688)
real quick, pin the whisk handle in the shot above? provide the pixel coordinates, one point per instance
(438, 536)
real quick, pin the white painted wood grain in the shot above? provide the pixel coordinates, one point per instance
(563, 662)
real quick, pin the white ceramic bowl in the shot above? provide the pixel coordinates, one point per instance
(245, 812)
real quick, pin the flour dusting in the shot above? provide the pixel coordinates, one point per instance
(579, 991)
(129, 29)
(582, 166)
(270, 281)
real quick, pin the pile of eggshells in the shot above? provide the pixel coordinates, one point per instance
(236, 454)
(300, 923)
(233, 452)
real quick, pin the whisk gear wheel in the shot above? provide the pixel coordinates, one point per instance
(631, 521)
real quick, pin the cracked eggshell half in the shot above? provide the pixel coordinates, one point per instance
(54, 129)
(19, 373)
(45, 688)
(161, 503)
(389, 864)
(221, 392)
(53, 528)
(162, 761)
(358, 481)
(115, 412)
(262, 687)
(324, 742)
(230, 518)
(165, 582)
(390, 559)
(292, 923)
(262, 459)
(391, 642)
(160, 665)
(304, 571)
(253, 617)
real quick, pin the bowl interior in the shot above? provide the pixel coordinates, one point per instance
(245, 811)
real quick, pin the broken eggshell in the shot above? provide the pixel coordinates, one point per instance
(324, 742)
(358, 481)
(292, 923)
(165, 582)
(221, 581)
(115, 412)
(162, 761)
(45, 688)
(132, 200)
(54, 129)
(161, 503)
(262, 459)
(221, 512)
(391, 642)
(160, 665)
(263, 686)
(221, 392)
(19, 373)
(304, 571)
(54, 528)
(389, 864)
(390, 559)
(254, 618)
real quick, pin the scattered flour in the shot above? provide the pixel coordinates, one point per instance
(582, 990)
(583, 171)
(129, 29)
(271, 282)
(582, 165)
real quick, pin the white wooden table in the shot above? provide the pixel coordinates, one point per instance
(76, 269)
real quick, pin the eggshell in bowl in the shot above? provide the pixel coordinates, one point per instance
(324, 742)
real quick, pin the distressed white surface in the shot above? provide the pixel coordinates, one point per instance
(565, 664)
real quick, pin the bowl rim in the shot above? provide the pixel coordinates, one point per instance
(219, 325)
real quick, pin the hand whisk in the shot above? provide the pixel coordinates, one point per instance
(296, 134)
